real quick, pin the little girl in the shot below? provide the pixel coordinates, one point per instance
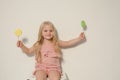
(47, 50)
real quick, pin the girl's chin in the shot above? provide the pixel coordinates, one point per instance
(48, 38)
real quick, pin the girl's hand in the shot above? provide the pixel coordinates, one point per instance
(82, 36)
(19, 44)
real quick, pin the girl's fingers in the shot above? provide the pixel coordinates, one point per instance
(82, 35)
(18, 43)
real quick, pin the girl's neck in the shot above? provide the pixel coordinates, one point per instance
(47, 41)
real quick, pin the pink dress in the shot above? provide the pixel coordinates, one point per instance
(50, 60)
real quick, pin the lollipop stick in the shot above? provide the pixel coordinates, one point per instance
(18, 38)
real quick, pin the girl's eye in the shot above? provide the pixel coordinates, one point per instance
(45, 30)
(50, 30)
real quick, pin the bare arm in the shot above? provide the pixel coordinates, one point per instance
(72, 42)
(24, 48)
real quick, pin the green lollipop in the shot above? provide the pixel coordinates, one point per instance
(83, 24)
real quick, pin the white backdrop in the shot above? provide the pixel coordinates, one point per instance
(96, 59)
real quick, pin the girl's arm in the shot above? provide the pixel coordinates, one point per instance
(72, 42)
(24, 48)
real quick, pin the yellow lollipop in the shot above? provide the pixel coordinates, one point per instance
(18, 33)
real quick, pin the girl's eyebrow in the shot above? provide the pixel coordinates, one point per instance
(48, 30)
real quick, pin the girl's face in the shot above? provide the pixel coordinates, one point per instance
(47, 32)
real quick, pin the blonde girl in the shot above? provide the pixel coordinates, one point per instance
(47, 50)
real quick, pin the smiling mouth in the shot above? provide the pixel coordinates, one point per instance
(48, 35)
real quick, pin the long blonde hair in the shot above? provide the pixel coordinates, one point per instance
(39, 42)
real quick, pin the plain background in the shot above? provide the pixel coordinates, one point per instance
(96, 59)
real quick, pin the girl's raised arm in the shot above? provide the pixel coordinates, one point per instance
(24, 48)
(73, 42)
